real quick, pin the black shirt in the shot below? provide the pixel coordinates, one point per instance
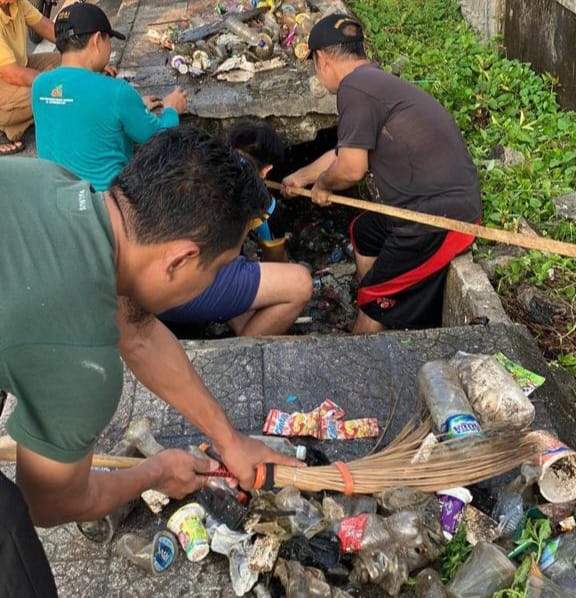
(417, 158)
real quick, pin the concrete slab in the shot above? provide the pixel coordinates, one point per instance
(367, 375)
(282, 95)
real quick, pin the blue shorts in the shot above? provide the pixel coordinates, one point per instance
(231, 294)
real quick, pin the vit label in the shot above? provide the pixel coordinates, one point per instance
(460, 425)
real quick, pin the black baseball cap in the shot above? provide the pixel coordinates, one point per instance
(82, 18)
(334, 29)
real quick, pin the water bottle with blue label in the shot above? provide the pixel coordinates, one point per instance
(439, 385)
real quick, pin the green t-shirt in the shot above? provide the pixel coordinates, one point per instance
(58, 337)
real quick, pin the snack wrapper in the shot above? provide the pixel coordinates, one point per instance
(325, 422)
(527, 380)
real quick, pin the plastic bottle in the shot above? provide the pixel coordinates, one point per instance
(283, 445)
(557, 561)
(429, 585)
(439, 385)
(187, 524)
(261, 41)
(307, 519)
(242, 577)
(509, 508)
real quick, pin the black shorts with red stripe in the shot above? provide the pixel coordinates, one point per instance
(405, 286)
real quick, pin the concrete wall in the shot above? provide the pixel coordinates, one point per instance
(542, 32)
(484, 15)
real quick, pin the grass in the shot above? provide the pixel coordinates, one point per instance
(497, 102)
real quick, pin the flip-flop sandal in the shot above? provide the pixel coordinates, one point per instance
(16, 147)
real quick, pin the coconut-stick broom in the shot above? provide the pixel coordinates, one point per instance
(456, 462)
(491, 234)
(452, 463)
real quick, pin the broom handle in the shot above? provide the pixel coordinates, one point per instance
(492, 234)
(8, 453)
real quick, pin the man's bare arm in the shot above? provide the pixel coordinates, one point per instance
(349, 167)
(158, 360)
(45, 29)
(308, 174)
(12, 74)
(60, 492)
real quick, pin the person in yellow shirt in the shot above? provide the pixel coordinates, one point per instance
(18, 70)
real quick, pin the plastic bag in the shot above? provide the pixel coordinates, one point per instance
(496, 398)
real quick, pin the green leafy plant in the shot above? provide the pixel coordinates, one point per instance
(497, 103)
(535, 533)
(454, 555)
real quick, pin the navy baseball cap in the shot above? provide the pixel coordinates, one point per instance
(334, 29)
(82, 18)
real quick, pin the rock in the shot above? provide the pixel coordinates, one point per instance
(500, 256)
(539, 307)
(566, 206)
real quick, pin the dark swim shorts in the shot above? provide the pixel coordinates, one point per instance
(405, 286)
(232, 293)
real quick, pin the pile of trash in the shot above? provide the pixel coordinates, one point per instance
(399, 541)
(240, 39)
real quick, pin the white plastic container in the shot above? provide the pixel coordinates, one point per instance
(187, 524)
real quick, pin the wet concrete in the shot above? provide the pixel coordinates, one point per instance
(367, 375)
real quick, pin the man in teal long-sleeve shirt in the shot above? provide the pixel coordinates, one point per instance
(86, 121)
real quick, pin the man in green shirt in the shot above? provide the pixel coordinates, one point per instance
(81, 273)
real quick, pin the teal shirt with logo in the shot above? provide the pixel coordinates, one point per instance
(88, 122)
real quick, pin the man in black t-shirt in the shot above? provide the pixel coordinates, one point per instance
(413, 156)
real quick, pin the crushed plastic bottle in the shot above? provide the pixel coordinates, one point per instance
(339, 506)
(511, 502)
(306, 519)
(558, 561)
(155, 556)
(429, 585)
(389, 548)
(439, 385)
(242, 577)
(305, 582)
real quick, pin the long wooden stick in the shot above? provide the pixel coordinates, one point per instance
(8, 453)
(491, 234)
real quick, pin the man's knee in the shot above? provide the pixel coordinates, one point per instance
(302, 283)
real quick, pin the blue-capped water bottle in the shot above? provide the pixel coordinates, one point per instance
(439, 385)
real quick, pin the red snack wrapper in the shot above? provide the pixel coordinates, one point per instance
(351, 533)
(350, 429)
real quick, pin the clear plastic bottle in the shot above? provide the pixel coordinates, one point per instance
(439, 385)
(283, 445)
(429, 585)
(307, 519)
(509, 508)
(558, 561)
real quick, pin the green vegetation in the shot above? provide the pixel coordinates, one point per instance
(454, 555)
(497, 103)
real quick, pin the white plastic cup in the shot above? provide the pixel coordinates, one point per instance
(557, 480)
(187, 524)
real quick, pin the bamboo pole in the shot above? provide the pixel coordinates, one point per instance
(491, 234)
(8, 453)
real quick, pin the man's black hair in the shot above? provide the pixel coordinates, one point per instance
(185, 184)
(72, 43)
(346, 50)
(259, 141)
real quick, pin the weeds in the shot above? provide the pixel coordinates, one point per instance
(497, 103)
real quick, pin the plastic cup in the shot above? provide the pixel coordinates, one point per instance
(486, 571)
(557, 480)
(155, 556)
(452, 503)
(187, 524)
